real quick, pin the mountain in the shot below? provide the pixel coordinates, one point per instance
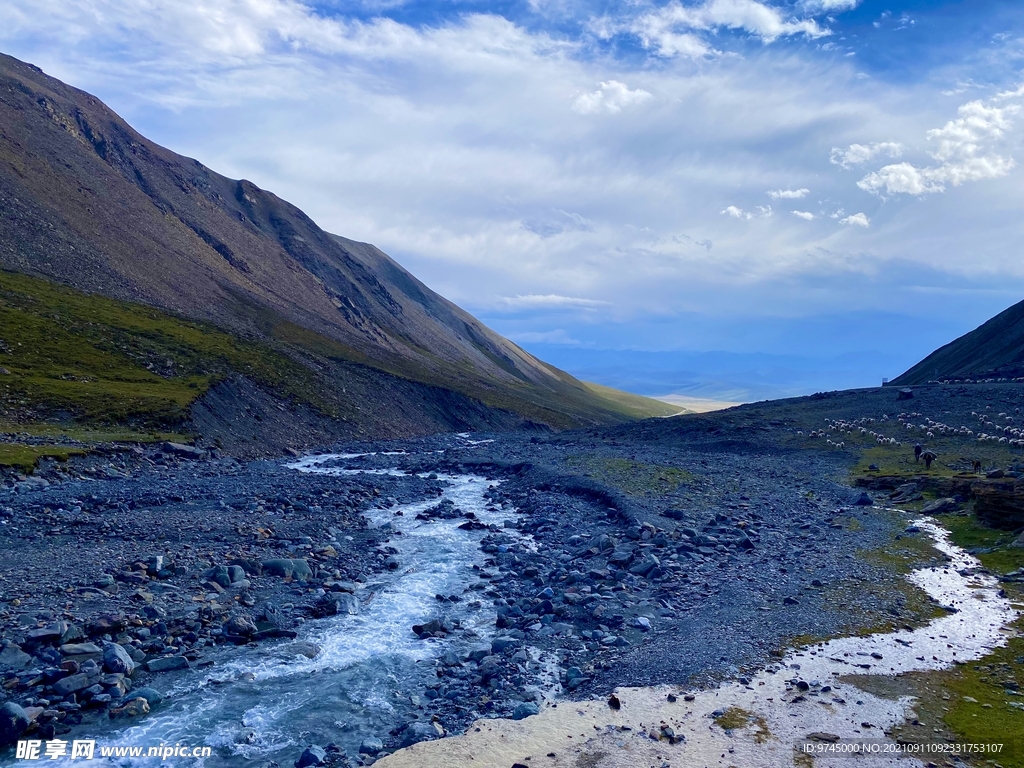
(90, 204)
(994, 349)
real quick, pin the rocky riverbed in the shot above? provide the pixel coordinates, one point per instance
(147, 587)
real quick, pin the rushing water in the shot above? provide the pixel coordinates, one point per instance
(782, 715)
(268, 703)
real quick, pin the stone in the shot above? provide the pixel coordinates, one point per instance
(301, 648)
(416, 732)
(502, 643)
(13, 722)
(218, 575)
(370, 746)
(337, 603)
(525, 710)
(864, 500)
(239, 627)
(642, 623)
(49, 634)
(313, 755)
(905, 394)
(236, 573)
(81, 649)
(288, 568)
(71, 684)
(938, 506)
(116, 659)
(13, 658)
(134, 708)
(153, 697)
(167, 663)
(185, 451)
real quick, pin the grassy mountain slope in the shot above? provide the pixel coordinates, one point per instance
(87, 202)
(993, 349)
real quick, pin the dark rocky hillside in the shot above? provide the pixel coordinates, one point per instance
(995, 349)
(87, 202)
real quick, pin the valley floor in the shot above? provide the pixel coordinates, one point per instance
(675, 552)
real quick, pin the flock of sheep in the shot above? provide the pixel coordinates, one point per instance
(1001, 428)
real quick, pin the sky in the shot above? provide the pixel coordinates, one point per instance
(825, 186)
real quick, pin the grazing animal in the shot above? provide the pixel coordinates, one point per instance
(917, 452)
(976, 465)
(928, 457)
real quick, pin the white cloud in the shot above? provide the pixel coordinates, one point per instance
(788, 194)
(856, 220)
(550, 301)
(611, 97)
(669, 28)
(454, 147)
(968, 149)
(830, 6)
(559, 336)
(805, 215)
(762, 212)
(858, 154)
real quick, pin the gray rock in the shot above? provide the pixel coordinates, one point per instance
(337, 603)
(938, 506)
(239, 626)
(48, 634)
(301, 648)
(71, 684)
(185, 451)
(642, 623)
(864, 500)
(218, 575)
(313, 755)
(116, 659)
(416, 732)
(478, 652)
(151, 695)
(371, 746)
(502, 643)
(13, 722)
(236, 573)
(524, 710)
(167, 663)
(13, 658)
(288, 568)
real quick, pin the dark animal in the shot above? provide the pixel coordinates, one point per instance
(976, 465)
(928, 457)
(917, 452)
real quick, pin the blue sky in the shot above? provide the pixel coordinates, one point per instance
(835, 183)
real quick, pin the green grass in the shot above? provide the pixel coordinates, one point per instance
(25, 457)
(636, 406)
(735, 718)
(84, 358)
(631, 476)
(968, 532)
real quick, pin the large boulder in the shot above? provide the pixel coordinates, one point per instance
(288, 568)
(1000, 503)
(313, 755)
(939, 506)
(185, 451)
(116, 659)
(13, 722)
(337, 603)
(14, 659)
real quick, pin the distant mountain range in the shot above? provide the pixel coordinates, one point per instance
(88, 203)
(995, 349)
